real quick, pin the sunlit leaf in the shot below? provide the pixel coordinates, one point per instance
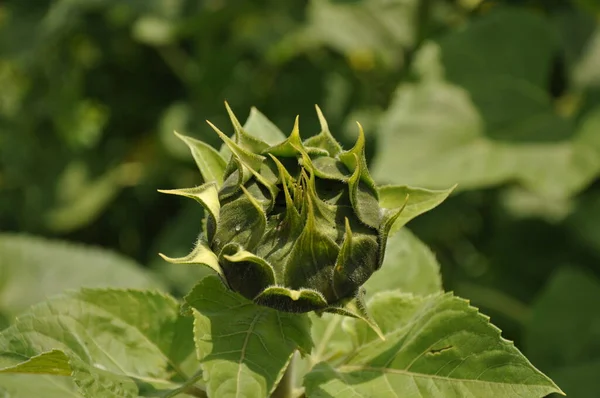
(433, 136)
(32, 269)
(110, 341)
(461, 354)
(491, 120)
(244, 348)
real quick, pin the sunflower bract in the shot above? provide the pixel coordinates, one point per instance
(295, 226)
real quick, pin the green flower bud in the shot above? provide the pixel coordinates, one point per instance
(295, 226)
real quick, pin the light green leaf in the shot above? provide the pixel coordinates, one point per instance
(563, 337)
(492, 120)
(207, 195)
(31, 269)
(28, 386)
(53, 362)
(112, 342)
(418, 201)
(586, 73)
(331, 340)
(259, 126)
(367, 32)
(244, 348)
(332, 344)
(209, 161)
(436, 346)
(89, 199)
(408, 265)
(154, 31)
(432, 135)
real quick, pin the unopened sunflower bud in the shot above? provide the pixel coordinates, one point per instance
(295, 226)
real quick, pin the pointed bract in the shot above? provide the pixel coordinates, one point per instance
(296, 226)
(209, 161)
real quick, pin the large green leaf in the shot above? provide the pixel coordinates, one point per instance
(31, 269)
(244, 348)
(586, 72)
(563, 336)
(121, 343)
(436, 346)
(504, 61)
(27, 386)
(432, 135)
(368, 32)
(408, 265)
(481, 115)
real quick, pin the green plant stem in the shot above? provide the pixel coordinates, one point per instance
(285, 388)
(189, 388)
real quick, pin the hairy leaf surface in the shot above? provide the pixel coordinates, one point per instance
(436, 346)
(244, 348)
(112, 342)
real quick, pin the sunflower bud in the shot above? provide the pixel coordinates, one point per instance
(295, 226)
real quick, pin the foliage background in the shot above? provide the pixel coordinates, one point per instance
(500, 97)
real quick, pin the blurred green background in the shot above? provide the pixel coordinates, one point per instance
(502, 98)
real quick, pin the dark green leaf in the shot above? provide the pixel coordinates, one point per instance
(563, 337)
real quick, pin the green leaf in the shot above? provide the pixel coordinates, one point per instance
(488, 119)
(451, 147)
(154, 31)
(436, 346)
(207, 195)
(52, 362)
(209, 161)
(585, 70)
(200, 255)
(367, 32)
(244, 348)
(562, 335)
(85, 202)
(408, 265)
(332, 342)
(112, 342)
(262, 128)
(31, 269)
(28, 386)
(324, 139)
(506, 72)
(417, 200)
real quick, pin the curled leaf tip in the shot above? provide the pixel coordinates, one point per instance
(322, 120)
(237, 126)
